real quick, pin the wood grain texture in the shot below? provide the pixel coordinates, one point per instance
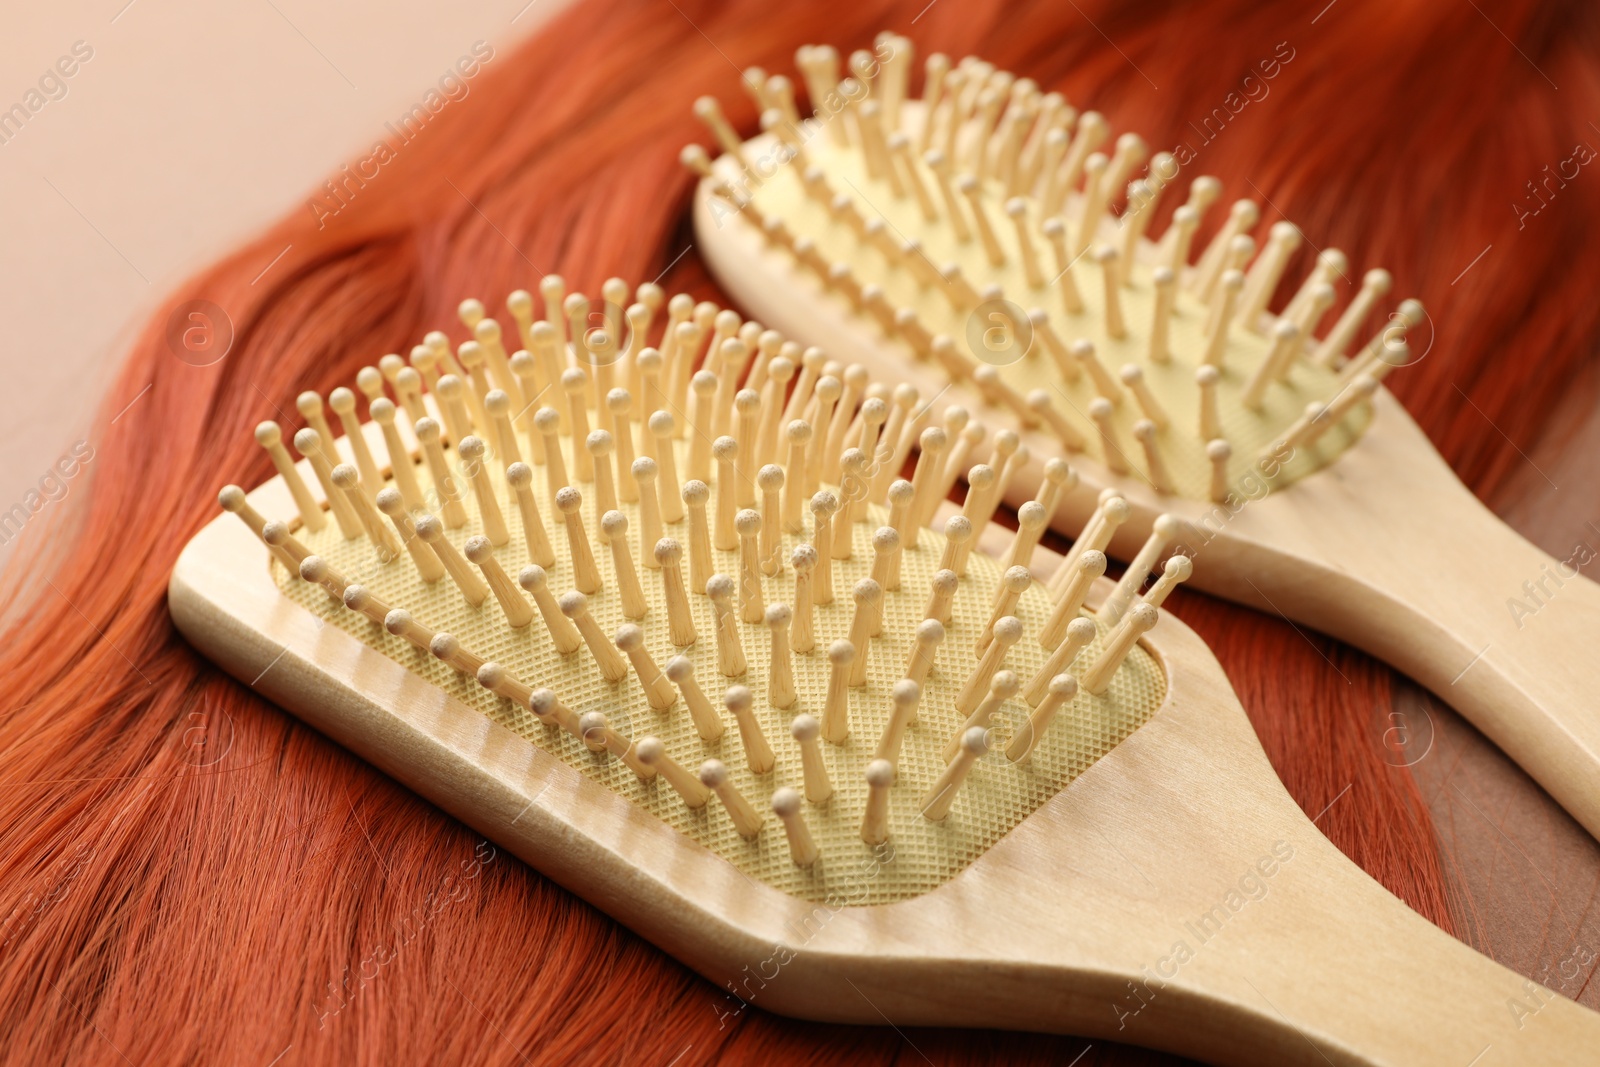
(1525, 875)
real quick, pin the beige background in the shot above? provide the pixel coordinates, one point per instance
(194, 124)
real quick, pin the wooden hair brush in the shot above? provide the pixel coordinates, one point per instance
(896, 233)
(846, 767)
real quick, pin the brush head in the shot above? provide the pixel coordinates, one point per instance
(594, 694)
(1023, 271)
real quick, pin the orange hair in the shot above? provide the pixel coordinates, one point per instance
(192, 875)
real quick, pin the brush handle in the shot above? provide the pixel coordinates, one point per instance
(1350, 975)
(1253, 939)
(1387, 550)
(1507, 635)
(1175, 896)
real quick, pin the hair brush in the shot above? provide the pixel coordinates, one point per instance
(897, 233)
(847, 767)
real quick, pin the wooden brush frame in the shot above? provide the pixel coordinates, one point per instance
(1070, 923)
(1384, 548)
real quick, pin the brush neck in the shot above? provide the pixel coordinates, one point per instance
(1321, 965)
(1407, 564)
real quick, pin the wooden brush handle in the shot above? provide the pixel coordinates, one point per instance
(1175, 896)
(1327, 967)
(1510, 637)
(1291, 954)
(1387, 550)
(1444, 591)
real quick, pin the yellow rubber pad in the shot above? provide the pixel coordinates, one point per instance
(920, 854)
(1172, 383)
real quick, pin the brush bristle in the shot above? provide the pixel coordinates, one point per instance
(976, 228)
(853, 636)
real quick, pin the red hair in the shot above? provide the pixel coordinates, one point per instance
(193, 875)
